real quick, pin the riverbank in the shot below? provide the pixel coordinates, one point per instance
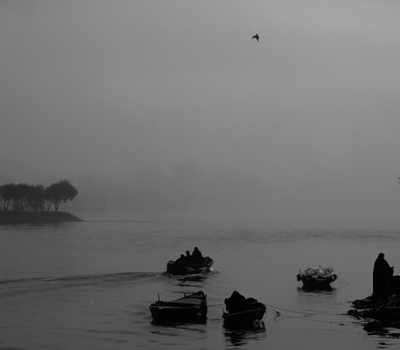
(13, 218)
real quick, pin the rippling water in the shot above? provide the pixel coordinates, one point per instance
(88, 285)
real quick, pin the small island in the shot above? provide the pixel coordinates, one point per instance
(35, 204)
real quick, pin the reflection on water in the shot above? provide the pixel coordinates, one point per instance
(326, 291)
(389, 335)
(173, 328)
(239, 337)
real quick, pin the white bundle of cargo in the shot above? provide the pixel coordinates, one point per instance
(319, 272)
(317, 278)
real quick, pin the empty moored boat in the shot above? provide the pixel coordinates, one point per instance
(191, 307)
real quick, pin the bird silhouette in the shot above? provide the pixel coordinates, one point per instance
(256, 36)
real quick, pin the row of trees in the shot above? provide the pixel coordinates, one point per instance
(25, 197)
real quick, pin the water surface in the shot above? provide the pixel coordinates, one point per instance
(88, 285)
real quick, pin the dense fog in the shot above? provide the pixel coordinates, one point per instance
(168, 107)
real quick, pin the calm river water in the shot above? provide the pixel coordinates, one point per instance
(88, 285)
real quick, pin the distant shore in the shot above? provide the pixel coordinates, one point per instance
(46, 217)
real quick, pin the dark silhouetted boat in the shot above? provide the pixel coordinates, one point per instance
(250, 317)
(189, 308)
(176, 267)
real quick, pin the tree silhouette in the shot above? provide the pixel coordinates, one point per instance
(20, 196)
(24, 197)
(35, 197)
(58, 192)
(7, 195)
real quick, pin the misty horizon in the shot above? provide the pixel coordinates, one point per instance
(173, 108)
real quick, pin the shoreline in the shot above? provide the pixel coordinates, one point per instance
(16, 218)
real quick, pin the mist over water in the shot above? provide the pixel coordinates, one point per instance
(148, 107)
(179, 130)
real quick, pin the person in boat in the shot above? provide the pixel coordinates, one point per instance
(236, 302)
(180, 260)
(382, 278)
(197, 257)
(179, 264)
(188, 257)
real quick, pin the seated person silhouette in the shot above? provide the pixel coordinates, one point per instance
(181, 259)
(197, 257)
(188, 258)
(396, 285)
(236, 302)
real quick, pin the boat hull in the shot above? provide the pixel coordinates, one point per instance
(246, 319)
(190, 308)
(310, 284)
(176, 314)
(175, 268)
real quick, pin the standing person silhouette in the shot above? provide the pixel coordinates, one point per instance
(382, 278)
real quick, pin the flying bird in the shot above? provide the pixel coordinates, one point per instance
(256, 36)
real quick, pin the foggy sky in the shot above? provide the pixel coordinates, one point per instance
(169, 105)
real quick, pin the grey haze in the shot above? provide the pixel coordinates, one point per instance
(168, 106)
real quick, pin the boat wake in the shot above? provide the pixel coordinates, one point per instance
(15, 287)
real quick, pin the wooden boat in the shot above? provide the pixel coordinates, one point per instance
(317, 278)
(250, 317)
(317, 283)
(175, 267)
(191, 307)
